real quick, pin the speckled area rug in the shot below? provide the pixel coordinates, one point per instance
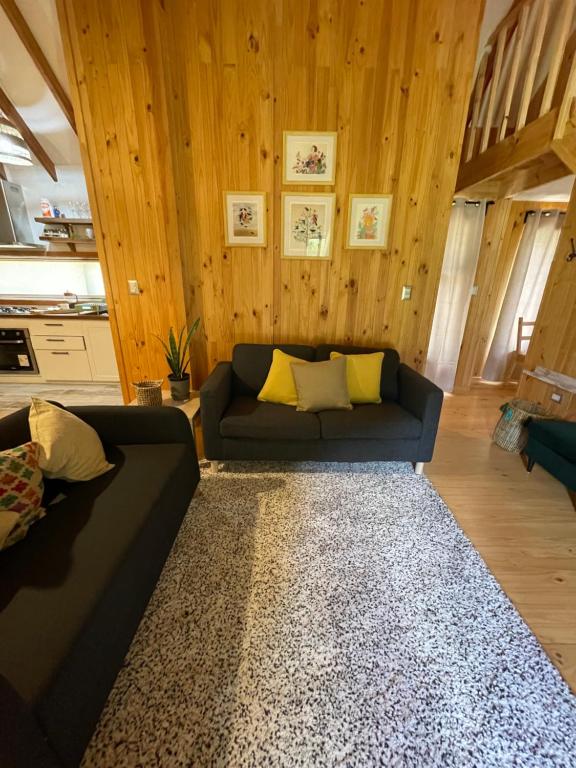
(326, 615)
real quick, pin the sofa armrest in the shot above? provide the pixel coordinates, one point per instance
(22, 742)
(423, 399)
(215, 395)
(133, 425)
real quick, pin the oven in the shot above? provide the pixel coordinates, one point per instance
(16, 353)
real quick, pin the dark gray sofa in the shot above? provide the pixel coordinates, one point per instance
(72, 593)
(236, 425)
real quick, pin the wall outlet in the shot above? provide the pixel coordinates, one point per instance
(474, 290)
(406, 292)
(133, 287)
(556, 396)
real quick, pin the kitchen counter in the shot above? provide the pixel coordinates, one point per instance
(60, 316)
(49, 303)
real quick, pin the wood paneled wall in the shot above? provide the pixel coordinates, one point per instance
(501, 237)
(184, 99)
(553, 343)
(503, 229)
(119, 101)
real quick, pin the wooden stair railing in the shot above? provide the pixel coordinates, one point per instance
(527, 72)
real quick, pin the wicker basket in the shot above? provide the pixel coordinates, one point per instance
(148, 392)
(510, 432)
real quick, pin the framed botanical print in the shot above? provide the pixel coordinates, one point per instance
(245, 218)
(307, 226)
(309, 157)
(368, 221)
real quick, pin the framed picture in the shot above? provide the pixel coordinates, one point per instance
(368, 221)
(307, 226)
(245, 218)
(309, 157)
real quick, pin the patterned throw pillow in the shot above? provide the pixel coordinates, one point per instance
(21, 488)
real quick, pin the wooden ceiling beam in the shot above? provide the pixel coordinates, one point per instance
(29, 41)
(15, 118)
(517, 150)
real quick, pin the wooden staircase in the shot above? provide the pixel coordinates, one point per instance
(521, 128)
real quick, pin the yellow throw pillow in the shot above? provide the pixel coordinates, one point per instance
(279, 386)
(69, 448)
(363, 372)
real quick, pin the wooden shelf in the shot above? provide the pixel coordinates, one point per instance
(53, 220)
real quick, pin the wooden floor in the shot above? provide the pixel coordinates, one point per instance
(15, 396)
(523, 525)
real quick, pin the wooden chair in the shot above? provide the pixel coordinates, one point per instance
(515, 367)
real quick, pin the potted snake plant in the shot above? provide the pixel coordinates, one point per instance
(178, 359)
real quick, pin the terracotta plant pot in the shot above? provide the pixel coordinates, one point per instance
(180, 388)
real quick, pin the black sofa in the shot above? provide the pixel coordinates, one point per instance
(72, 593)
(552, 444)
(236, 425)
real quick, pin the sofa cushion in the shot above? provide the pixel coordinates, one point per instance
(251, 363)
(69, 448)
(280, 386)
(247, 417)
(386, 421)
(363, 374)
(559, 436)
(389, 375)
(21, 491)
(52, 583)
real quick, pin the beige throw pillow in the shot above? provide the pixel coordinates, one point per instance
(69, 448)
(322, 386)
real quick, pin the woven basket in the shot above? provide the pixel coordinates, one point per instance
(510, 432)
(148, 392)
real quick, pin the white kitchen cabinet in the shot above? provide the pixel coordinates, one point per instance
(57, 342)
(67, 349)
(100, 349)
(63, 365)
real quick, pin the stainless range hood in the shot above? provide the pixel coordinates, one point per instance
(14, 222)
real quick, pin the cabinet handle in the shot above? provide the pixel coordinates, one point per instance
(59, 353)
(54, 325)
(47, 339)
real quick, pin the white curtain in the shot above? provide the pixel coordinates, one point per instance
(525, 290)
(458, 270)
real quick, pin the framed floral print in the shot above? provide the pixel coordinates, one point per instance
(309, 157)
(245, 218)
(307, 226)
(368, 221)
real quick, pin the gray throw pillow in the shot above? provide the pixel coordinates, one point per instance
(322, 386)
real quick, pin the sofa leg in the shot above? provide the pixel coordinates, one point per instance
(419, 467)
(530, 463)
(214, 466)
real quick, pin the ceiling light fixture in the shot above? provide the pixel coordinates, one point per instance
(13, 148)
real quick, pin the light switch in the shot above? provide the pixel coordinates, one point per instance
(133, 287)
(406, 292)
(556, 396)
(474, 290)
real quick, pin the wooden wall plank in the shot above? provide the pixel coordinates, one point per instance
(113, 61)
(553, 343)
(503, 228)
(223, 81)
(500, 239)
